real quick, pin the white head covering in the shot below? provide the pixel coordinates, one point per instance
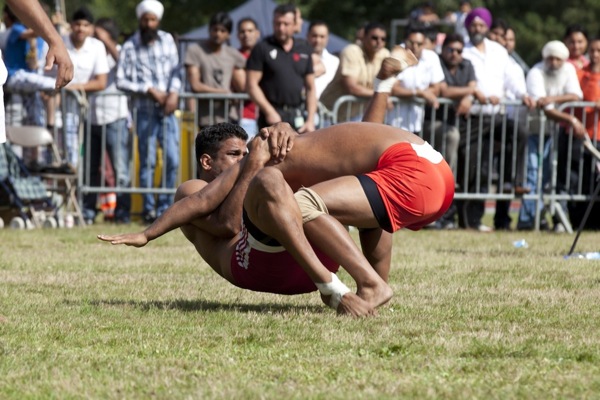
(152, 6)
(555, 48)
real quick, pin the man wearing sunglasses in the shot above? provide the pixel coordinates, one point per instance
(359, 65)
(459, 85)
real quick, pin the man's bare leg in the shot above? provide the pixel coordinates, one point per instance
(377, 247)
(376, 244)
(339, 246)
(271, 206)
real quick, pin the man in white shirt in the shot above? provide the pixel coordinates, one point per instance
(91, 74)
(487, 121)
(325, 64)
(550, 82)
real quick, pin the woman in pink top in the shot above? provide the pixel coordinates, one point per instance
(576, 39)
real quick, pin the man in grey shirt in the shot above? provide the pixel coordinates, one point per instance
(214, 67)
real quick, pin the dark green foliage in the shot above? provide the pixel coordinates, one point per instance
(535, 21)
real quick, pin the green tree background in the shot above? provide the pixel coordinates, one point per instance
(535, 21)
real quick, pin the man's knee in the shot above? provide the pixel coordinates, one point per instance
(267, 181)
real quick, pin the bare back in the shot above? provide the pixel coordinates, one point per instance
(345, 149)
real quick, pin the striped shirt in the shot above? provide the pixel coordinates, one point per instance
(155, 66)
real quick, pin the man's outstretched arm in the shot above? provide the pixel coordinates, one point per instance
(31, 13)
(184, 211)
(205, 201)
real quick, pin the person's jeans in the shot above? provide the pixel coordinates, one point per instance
(528, 207)
(153, 127)
(118, 147)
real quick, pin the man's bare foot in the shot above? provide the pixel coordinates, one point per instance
(351, 304)
(376, 295)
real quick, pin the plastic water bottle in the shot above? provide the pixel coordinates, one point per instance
(593, 255)
(520, 244)
(69, 221)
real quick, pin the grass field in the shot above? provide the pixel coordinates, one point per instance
(472, 317)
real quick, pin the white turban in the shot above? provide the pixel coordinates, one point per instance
(555, 48)
(152, 6)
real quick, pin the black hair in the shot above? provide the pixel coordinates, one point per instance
(452, 38)
(414, 29)
(210, 139)
(83, 13)
(575, 28)
(283, 9)
(246, 19)
(499, 23)
(221, 18)
(374, 25)
(318, 22)
(110, 26)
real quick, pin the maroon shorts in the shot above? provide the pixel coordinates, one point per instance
(415, 183)
(263, 268)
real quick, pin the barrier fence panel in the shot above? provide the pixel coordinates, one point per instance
(574, 169)
(486, 151)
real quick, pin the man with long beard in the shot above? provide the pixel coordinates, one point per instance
(550, 82)
(149, 67)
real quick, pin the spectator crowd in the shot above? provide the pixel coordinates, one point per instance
(469, 91)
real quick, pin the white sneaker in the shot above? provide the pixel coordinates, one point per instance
(484, 228)
(559, 228)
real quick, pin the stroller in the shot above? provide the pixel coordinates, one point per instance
(24, 199)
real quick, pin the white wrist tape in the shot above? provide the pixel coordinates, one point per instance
(384, 86)
(336, 289)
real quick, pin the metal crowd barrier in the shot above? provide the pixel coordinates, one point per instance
(490, 155)
(496, 170)
(574, 171)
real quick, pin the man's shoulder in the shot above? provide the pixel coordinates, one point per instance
(537, 68)
(267, 42)
(132, 42)
(327, 55)
(568, 69)
(329, 59)
(496, 48)
(381, 54)
(263, 45)
(352, 50)
(464, 64)
(165, 37)
(199, 47)
(430, 57)
(301, 45)
(233, 52)
(94, 45)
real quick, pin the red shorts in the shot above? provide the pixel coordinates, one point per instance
(415, 183)
(261, 268)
